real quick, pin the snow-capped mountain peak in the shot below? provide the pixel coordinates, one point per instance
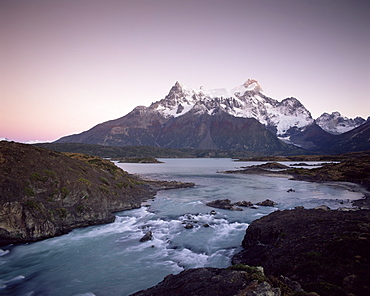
(246, 101)
(249, 85)
(336, 124)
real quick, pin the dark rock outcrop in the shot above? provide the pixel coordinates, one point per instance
(212, 282)
(226, 204)
(223, 204)
(44, 193)
(326, 251)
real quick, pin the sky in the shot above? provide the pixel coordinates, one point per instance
(68, 65)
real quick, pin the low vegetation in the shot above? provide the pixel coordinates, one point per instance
(350, 167)
(337, 157)
(137, 160)
(143, 151)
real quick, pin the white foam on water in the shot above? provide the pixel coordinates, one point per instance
(188, 259)
(2, 252)
(179, 248)
(5, 283)
(15, 279)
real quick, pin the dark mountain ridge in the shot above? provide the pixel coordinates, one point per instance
(317, 141)
(192, 130)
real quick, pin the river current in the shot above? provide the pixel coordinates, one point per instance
(110, 259)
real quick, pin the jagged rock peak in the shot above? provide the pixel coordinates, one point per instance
(177, 87)
(180, 88)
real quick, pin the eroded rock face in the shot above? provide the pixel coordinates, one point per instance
(211, 282)
(44, 193)
(320, 249)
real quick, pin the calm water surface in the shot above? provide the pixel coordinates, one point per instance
(110, 260)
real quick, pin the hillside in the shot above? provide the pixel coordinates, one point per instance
(44, 193)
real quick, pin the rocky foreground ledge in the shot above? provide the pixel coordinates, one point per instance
(44, 193)
(302, 252)
(235, 280)
(325, 251)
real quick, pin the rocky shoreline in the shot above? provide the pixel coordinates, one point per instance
(352, 172)
(44, 193)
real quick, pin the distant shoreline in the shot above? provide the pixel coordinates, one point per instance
(326, 174)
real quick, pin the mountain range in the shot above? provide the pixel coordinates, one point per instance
(242, 118)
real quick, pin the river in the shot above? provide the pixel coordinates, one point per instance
(111, 260)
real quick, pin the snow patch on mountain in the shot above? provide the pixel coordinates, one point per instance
(249, 85)
(336, 124)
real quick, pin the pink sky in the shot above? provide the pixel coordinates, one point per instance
(66, 66)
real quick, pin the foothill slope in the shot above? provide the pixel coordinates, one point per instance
(44, 193)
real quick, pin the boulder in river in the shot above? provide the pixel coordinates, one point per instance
(267, 203)
(243, 203)
(148, 236)
(189, 226)
(224, 204)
